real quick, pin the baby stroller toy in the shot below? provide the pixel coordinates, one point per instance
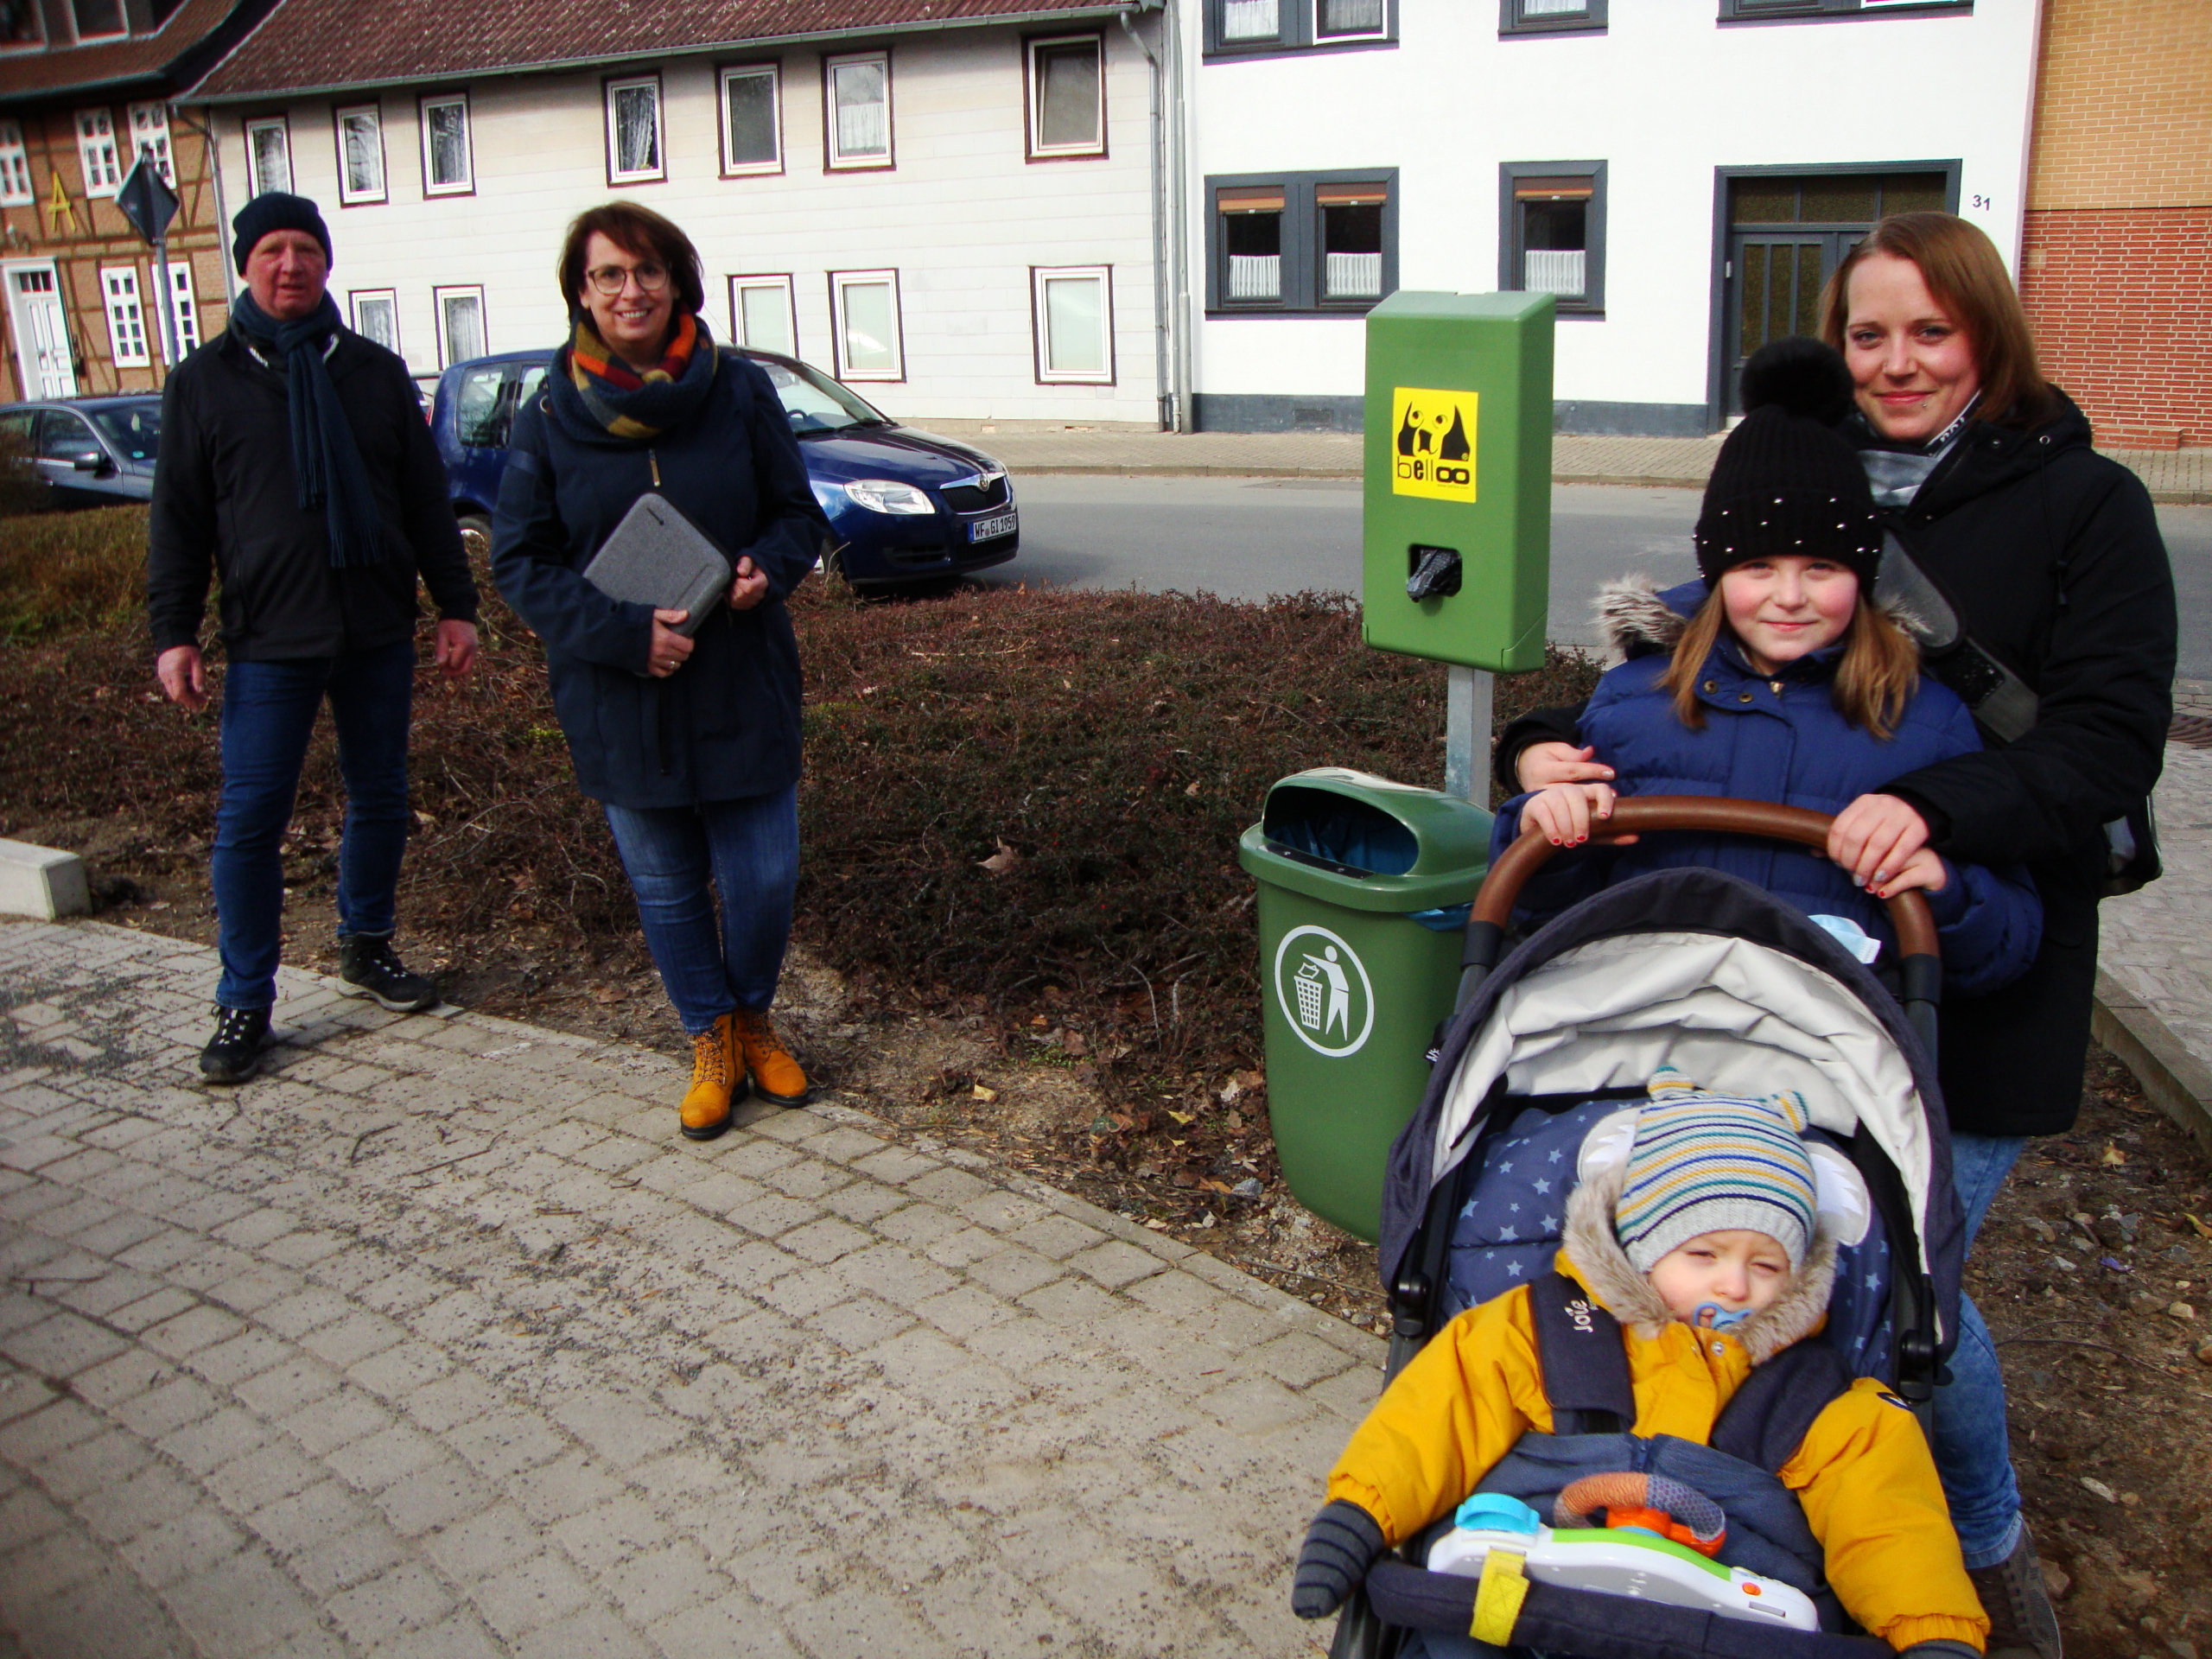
(1590, 1541)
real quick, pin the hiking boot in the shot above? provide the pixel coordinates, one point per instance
(776, 1077)
(2021, 1623)
(715, 1077)
(368, 966)
(233, 1053)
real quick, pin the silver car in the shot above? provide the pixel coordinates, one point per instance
(87, 452)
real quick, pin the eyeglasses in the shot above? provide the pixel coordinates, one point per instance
(608, 280)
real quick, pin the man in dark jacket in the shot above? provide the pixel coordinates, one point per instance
(296, 464)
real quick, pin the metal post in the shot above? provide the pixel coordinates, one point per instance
(169, 304)
(1466, 734)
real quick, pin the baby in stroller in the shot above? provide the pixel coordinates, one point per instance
(1704, 1229)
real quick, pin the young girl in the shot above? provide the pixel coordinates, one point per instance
(1785, 683)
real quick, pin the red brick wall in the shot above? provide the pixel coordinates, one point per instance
(2121, 301)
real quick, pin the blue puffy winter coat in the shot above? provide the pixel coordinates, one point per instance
(1774, 738)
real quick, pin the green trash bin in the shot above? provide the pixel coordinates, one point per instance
(1364, 885)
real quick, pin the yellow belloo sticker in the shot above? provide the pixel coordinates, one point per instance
(1434, 443)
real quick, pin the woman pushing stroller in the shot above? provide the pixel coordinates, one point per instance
(1786, 684)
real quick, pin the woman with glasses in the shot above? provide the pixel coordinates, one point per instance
(687, 737)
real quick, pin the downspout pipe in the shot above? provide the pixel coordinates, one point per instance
(1166, 400)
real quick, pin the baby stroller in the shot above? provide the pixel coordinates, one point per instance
(1702, 971)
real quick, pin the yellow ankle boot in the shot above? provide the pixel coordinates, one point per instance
(716, 1074)
(776, 1075)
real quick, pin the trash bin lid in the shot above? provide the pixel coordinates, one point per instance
(1368, 842)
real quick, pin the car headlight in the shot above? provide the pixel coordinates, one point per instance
(883, 495)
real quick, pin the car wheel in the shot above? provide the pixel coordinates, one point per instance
(476, 536)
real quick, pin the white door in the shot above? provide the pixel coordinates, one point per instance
(41, 335)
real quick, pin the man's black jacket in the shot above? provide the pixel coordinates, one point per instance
(2052, 555)
(225, 496)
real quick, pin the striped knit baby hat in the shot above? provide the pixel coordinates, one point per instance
(1711, 1163)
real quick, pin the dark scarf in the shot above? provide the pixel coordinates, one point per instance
(326, 461)
(594, 389)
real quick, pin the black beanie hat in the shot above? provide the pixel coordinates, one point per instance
(277, 210)
(1787, 480)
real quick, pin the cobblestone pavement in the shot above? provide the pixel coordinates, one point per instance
(437, 1341)
(2175, 475)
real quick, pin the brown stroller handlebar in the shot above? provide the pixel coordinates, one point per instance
(1909, 911)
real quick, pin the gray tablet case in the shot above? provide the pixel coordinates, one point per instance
(657, 556)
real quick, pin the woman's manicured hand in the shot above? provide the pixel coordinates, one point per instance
(1565, 812)
(1875, 837)
(1541, 765)
(1925, 869)
(669, 648)
(750, 586)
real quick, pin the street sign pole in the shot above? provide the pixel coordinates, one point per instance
(149, 203)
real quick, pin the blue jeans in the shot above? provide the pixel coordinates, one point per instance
(748, 849)
(1973, 1453)
(269, 713)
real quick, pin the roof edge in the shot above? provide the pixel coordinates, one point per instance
(555, 65)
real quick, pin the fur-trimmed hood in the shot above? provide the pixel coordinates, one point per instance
(1636, 618)
(1591, 1243)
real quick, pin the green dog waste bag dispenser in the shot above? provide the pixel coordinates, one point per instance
(1364, 885)
(1459, 469)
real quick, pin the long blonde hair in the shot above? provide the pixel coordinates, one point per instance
(1873, 683)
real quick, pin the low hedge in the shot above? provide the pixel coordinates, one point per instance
(1011, 796)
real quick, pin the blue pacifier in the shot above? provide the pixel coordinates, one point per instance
(1711, 1316)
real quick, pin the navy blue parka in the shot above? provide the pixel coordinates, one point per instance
(1775, 738)
(725, 726)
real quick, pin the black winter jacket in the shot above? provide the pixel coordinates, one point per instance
(726, 724)
(225, 498)
(2052, 554)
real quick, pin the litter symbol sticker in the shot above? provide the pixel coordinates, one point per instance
(1323, 989)
(1434, 443)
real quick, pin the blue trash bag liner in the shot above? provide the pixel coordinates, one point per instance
(1355, 835)
(1508, 1231)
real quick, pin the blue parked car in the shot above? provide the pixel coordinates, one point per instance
(906, 505)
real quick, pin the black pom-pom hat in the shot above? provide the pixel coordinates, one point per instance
(1787, 482)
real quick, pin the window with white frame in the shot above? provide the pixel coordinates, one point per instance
(376, 315)
(448, 166)
(268, 155)
(15, 167)
(762, 315)
(96, 150)
(360, 154)
(753, 119)
(856, 105)
(864, 325)
(460, 324)
(1067, 97)
(149, 135)
(1074, 308)
(126, 318)
(184, 308)
(98, 19)
(633, 130)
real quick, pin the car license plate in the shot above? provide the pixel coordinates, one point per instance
(984, 530)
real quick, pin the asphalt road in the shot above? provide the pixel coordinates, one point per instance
(1251, 537)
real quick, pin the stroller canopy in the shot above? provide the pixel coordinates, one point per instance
(1702, 971)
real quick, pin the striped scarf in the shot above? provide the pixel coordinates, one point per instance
(640, 407)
